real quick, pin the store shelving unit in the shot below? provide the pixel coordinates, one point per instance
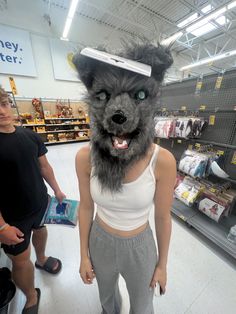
(221, 135)
(216, 232)
(62, 129)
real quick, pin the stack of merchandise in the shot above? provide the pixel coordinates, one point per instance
(188, 190)
(216, 203)
(181, 127)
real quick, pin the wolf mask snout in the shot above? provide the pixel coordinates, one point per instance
(119, 117)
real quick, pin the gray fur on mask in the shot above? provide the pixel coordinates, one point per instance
(116, 110)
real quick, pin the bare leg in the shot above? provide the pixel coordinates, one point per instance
(39, 240)
(23, 276)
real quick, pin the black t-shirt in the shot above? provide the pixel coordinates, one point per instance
(22, 188)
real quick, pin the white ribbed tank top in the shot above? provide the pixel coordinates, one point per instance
(128, 209)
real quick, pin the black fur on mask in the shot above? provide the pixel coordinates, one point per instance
(115, 92)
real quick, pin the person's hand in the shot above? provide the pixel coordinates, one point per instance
(86, 271)
(11, 236)
(60, 196)
(159, 277)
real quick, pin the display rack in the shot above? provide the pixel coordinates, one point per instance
(52, 129)
(183, 98)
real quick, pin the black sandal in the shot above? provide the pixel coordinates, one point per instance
(49, 265)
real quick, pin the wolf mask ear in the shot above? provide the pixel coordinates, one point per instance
(158, 57)
(85, 67)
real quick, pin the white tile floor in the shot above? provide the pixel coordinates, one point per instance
(201, 279)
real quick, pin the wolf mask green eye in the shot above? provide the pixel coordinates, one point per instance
(102, 95)
(141, 95)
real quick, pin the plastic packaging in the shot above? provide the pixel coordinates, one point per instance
(232, 235)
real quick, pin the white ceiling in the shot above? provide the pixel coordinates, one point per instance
(99, 22)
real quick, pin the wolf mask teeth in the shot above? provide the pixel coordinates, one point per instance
(121, 107)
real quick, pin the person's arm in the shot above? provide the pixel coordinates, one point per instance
(166, 177)
(86, 212)
(48, 175)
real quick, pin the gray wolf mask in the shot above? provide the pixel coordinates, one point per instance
(121, 108)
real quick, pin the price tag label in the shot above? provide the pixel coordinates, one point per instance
(212, 190)
(163, 109)
(158, 141)
(13, 85)
(234, 159)
(182, 217)
(212, 120)
(219, 82)
(202, 107)
(197, 145)
(183, 108)
(179, 141)
(220, 152)
(190, 146)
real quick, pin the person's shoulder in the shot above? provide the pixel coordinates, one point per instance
(166, 162)
(83, 155)
(27, 131)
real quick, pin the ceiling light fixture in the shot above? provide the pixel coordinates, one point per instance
(203, 22)
(231, 5)
(71, 13)
(209, 60)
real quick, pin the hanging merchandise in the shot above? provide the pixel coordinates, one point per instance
(183, 127)
(189, 127)
(217, 171)
(164, 127)
(194, 163)
(188, 191)
(216, 202)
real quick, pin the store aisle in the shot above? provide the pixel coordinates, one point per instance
(201, 280)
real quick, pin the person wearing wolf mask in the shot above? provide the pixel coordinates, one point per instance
(126, 175)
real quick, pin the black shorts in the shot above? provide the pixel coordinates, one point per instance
(33, 221)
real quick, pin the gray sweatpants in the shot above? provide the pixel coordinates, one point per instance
(135, 258)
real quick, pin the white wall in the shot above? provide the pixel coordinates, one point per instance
(28, 15)
(44, 85)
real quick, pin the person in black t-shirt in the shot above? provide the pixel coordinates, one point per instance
(24, 199)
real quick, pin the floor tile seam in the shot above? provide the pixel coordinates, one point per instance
(199, 294)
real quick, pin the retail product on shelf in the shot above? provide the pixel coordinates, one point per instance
(51, 138)
(232, 235)
(188, 190)
(216, 205)
(181, 127)
(64, 110)
(201, 165)
(37, 104)
(193, 163)
(164, 127)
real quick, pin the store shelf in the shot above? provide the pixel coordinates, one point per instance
(64, 118)
(65, 142)
(216, 232)
(62, 131)
(63, 124)
(182, 211)
(30, 125)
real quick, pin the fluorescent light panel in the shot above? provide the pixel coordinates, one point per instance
(208, 27)
(231, 5)
(71, 13)
(188, 20)
(201, 24)
(208, 60)
(207, 9)
(194, 16)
